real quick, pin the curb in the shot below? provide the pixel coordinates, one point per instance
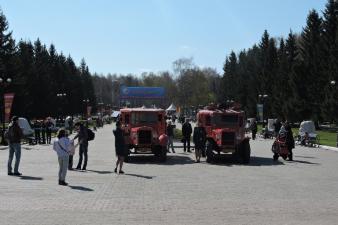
(329, 148)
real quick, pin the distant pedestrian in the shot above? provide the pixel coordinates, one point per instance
(254, 129)
(290, 142)
(199, 139)
(37, 131)
(43, 132)
(14, 135)
(49, 127)
(82, 136)
(277, 125)
(62, 147)
(186, 132)
(120, 147)
(170, 133)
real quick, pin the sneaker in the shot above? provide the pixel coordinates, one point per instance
(78, 168)
(62, 183)
(10, 174)
(121, 172)
(115, 171)
(84, 168)
(17, 174)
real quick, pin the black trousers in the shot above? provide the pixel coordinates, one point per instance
(49, 136)
(70, 164)
(186, 142)
(83, 153)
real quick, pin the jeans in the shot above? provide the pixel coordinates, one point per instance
(63, 167)
(185, 142)
(14, 148)
(171, 143)
(83, 152)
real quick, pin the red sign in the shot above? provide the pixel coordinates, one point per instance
(9, 97)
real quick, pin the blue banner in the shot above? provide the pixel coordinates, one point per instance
(141, 92)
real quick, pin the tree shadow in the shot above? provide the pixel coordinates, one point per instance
(140, 176)
(80, 188)
(150, 159)
(30, 178)
(100, 172)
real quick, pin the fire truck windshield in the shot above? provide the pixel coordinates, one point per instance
(225, 120)
(143, 117)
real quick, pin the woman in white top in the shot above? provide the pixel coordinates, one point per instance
(62, 147)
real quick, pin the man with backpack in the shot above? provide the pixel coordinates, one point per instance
(82, 136)
(14, 135)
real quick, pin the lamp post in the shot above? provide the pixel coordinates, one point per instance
(100, 108)
(61, 96)
(333, 84)
(262, 98)
(85, 102)
(3, 83)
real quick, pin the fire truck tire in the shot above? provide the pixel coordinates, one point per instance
(246, 151)
(209, 152)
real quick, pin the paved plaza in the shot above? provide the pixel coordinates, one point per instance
(179, 191)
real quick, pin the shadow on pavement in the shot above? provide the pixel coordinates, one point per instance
(228, 160)
(150, 159)
(30, 178)
(100, 172)
(304, 162)
(80, 188)
(305, 157)
(140, 176)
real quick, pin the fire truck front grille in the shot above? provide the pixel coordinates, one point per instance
(228, 138)
(144, 137)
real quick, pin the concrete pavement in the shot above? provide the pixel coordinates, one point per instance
(177, 192)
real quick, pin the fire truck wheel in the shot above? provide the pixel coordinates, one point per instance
(246, 153)
(209, 153)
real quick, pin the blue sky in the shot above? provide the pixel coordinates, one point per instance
(134, 36)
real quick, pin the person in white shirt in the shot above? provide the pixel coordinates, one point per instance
(62, 146)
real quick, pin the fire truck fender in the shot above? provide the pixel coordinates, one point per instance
(163, 140)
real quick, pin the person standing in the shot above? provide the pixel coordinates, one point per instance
(49, 127)
(43, 132)
(120, 147)
(82, 136)
(37, 130)
(62, 148)
(186, 132)
(14, 135)
(170, 133)
(199, 139)
(254, 130)
(290, 142)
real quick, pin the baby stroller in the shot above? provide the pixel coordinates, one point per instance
(279, 147)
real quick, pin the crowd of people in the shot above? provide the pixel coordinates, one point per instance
(64, 146)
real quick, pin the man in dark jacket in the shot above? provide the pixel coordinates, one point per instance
(170, 133)
(14, 136)
(186, 132)
(120, 147)
(254, 130)
(290, 142)
(82, 135)
(199, 139)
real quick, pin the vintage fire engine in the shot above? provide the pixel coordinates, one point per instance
(225, 129)
(145, 131)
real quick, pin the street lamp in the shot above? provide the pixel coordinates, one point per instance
(262, 98)
(85, 102)
(61, 96)
(3, 83)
